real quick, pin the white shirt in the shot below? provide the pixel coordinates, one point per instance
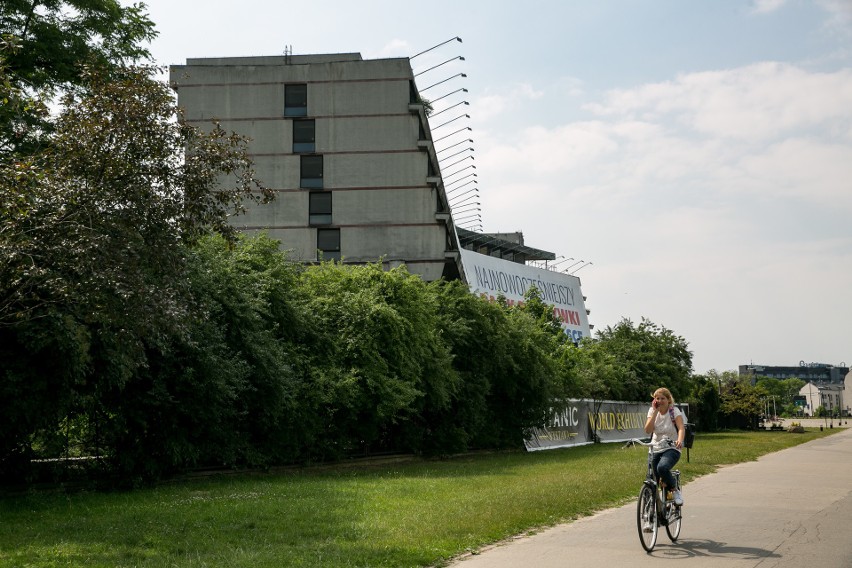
(664, 429)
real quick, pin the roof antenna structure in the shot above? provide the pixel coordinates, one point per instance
(288, 51)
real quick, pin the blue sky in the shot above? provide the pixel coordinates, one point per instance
(698, 154)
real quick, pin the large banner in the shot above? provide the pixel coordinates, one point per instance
(578, 422)
(492, 277)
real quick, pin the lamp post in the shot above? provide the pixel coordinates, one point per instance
(459, 57)
(459, 171)
(461, 178)
(452, 145)
(470, 149)
(456, 202)
(444, 81)
(433, 115)
(457, 38)
(474, 189)
(459, 162)
(582, 267)
(433, 101)
(448, 135)
(451, 120)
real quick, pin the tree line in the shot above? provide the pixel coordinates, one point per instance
(140, 333)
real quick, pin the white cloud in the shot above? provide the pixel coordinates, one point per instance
(766, 6)
(394, 48)
(490, 106)
(757, 102)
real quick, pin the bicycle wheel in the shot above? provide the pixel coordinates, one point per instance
(646, 518)
(673, 524)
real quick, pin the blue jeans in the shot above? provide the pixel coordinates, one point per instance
(663, 464)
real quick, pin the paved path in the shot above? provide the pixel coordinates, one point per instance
(789, 509)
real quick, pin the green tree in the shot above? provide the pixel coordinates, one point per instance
(650, 356)
(93, 246)
(704, 403)
(377, 358)
(743, 403)
(48, 44)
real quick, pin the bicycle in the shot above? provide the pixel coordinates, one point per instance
(653, 508)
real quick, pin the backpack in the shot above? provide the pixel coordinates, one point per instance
(689, 434)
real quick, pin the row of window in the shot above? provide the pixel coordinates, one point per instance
(311, 170)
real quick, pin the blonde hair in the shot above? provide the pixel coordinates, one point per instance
(666, 393)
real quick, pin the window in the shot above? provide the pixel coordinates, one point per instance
(320, 208)
(311, 172)
(304, 136)
(328, 243)
(296, 100)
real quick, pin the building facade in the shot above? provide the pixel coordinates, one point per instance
(818, 373)
(346, 145)
(829, 397)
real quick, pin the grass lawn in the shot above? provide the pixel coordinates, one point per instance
(398, 513)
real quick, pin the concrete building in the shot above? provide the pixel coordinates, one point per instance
(346, 145)
(827, 396)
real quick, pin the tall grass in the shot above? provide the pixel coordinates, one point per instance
(398, 513)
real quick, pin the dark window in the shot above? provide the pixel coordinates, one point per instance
(304, 136)
(296, 100)
(311, 172)
(328, 243)
(320, 208)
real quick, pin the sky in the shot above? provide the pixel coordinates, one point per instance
(697, 156)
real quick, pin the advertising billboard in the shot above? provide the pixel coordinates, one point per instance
(493, 277)
(582, 421)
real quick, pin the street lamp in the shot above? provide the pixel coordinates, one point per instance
(469, 157)
(452, 120)
(459, 171)
(456, 144)
(457, 153)
(457, 38)
(433, 101)
(448, 135)
(448, 108)
(582, 267)
(459, 57)
(444, 81)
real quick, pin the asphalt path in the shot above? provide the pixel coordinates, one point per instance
(788, 509)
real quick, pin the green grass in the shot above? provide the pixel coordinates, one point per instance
(403, 513)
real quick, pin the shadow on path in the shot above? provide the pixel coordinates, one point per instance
(711, 549)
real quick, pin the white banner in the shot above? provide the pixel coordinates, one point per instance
(492, 277)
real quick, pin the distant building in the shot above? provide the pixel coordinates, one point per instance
(818, 373)
(827, 396)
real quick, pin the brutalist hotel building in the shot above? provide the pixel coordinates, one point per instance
(345, 144)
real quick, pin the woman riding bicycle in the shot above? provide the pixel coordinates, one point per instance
(665, 422)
